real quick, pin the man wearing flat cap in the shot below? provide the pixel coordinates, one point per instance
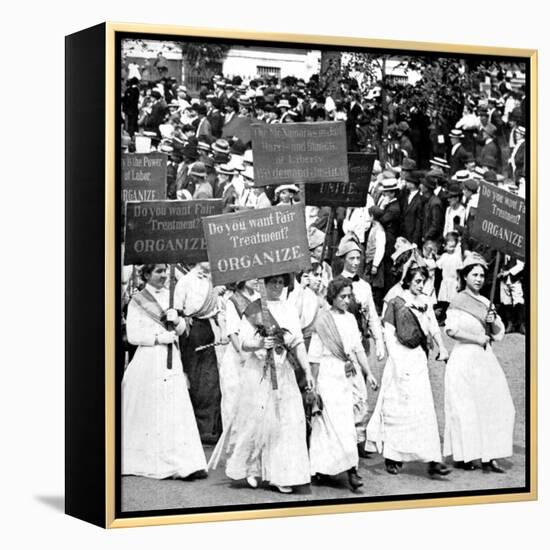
(362, 306)
(412, 212)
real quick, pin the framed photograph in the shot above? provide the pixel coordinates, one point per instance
(301, 275)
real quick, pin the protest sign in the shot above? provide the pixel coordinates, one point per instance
(353, 193)
(500, 220)
(304, 152)
(256, 243)
(143, 177)
(167, 231)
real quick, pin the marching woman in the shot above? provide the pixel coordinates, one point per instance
(266, 439)
(479, 412)
(234, 356)
(160, 438)
(403, 426)
(336, 354)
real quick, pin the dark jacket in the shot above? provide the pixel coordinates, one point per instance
(458, 160)
(391, 222)
(491, 151)
(411, 219)
(434, 219)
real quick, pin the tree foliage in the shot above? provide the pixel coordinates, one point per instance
(198, 56)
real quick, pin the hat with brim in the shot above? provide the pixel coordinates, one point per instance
(521, 130)
(349, 243)
(203, 146)
(150, 134)
(401, 246)
(198, 169)
(221, 158)
(440, 163)
(412, 177)
(490, 177)
(473, 258)
(454, 189)
(390, 184)
(461, 175)
(478, 173)
(221, 146)
(315, 237)
(283, 103)
(471, 185)
(225, 169)
(456, 133)
(287, 187)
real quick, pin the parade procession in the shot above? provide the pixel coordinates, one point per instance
(324, 279)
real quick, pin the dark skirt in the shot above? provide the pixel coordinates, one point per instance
(201, 368)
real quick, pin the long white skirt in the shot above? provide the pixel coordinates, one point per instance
(403, 426)
(479, 412)
(333, 442)
(266, 437)
(159, 432)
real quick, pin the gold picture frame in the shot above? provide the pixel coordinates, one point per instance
(105, 511)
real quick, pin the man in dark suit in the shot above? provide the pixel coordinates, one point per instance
(490, 149)
(214, 116)
(159, 111)
(412, 210)
(434, 212)
(391, 222)
(458, 151)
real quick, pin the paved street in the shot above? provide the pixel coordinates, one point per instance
(147, 494)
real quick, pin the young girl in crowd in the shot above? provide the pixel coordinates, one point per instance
(430, 259)
(450, 263)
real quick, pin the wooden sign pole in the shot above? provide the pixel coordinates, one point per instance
(170, 306)
(494, 286)
(328, 234)
(269, 331)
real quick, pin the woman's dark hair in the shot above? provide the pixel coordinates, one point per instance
(411, 272)
(285, 276)
(146, 271)
(463, 273)
(314, 266)
(336, 286)
(400, 261)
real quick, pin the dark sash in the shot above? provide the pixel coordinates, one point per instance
(464, 301)
(146, 301)
(326, 328)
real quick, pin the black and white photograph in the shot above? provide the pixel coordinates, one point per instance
(324, 275)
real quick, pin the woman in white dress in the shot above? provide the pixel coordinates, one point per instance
(160, 438)
(403, 426)
(479, 412)
(234, 357)
(266, 438)
(336, 353)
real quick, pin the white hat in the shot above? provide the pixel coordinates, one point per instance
(289, 186)
(390, 184)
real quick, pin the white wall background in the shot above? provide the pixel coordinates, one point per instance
(31, 388)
